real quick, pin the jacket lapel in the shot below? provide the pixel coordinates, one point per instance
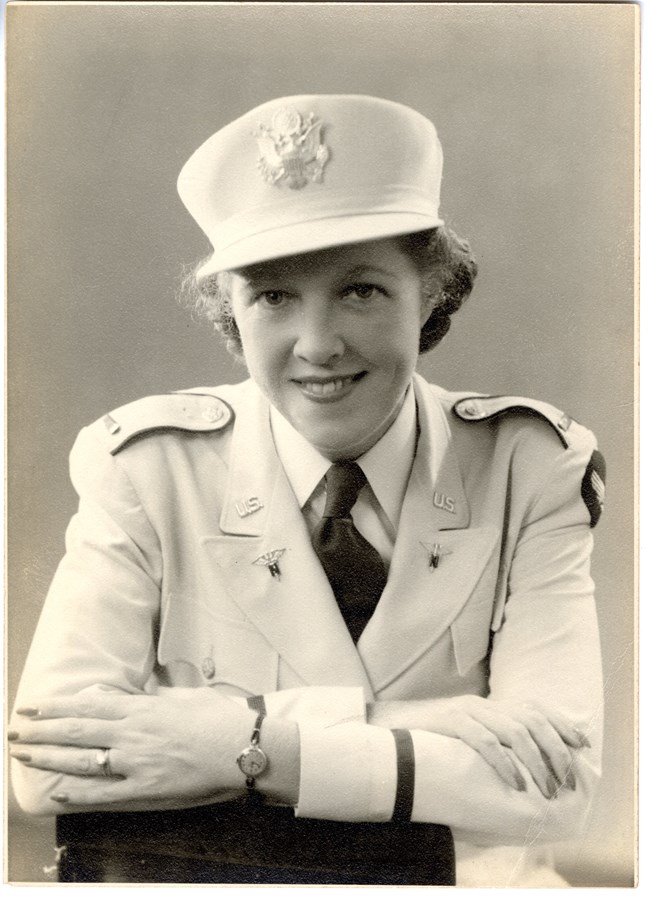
(421, 601)
(295, 610)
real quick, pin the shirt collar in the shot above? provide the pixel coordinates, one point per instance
(387, 464)
(303, 465)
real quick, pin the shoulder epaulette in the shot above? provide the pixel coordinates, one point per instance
(196, 411)
(573, 435)
(478, 408)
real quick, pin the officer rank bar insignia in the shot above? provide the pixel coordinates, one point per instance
(271, 560)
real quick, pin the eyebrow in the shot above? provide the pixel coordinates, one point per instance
(268, 273)
(261, 274)
(361, 269)
(253, 274)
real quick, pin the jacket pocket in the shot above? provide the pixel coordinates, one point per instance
(470, 634)
(198, 646)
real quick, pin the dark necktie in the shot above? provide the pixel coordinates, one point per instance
(354, 568)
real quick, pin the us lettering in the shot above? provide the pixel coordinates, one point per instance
(444, 502)
(248, 506)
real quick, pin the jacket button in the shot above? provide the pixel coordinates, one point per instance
(472, 409)
(212, 413)
(207, 667)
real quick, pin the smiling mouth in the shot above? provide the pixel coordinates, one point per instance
(327, 389)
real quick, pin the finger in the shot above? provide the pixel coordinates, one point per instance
(99, 762)
(556, 754)
(569, 733)
(567, 779)
(81, 732)
(94, 792)
(512, 732)
(527, 751)
(485, 743)
(99, 706)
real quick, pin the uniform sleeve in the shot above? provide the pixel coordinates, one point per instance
(316, 705)
(98, 625)
(103, 603)
(545, 650)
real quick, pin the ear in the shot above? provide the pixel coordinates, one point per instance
(429, 298)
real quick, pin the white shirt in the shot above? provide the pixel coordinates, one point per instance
(387, 466)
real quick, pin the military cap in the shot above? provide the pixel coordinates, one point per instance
(309, 172)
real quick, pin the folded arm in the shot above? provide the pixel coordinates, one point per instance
(327, 757)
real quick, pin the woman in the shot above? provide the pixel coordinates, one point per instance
(335, 586)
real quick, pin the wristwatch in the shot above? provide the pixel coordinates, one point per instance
(252, 761)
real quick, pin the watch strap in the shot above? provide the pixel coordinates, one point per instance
(257, 728)
(257, 703)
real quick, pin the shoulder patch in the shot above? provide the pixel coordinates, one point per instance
(593, 486)
(189, 411)
(479, 408)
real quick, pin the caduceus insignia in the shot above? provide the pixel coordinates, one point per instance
(291, 151)
(270, 560)
(434, 551)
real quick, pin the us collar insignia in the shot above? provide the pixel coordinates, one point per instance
(440, 500)
(248, 506)
(291, 151)
(271, 561)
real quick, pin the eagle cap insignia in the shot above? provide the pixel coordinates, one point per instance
(291, 151)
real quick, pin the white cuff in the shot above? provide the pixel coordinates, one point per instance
(347, 773)
(320, 706)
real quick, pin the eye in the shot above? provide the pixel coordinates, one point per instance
(363, 291)
(271, 298)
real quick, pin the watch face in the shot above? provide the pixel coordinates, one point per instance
(252, 761)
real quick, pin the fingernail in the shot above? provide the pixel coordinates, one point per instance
(12, 735)
(570, 781)
(521, 782)
(60, 797)
(21, 756)
(28, 711)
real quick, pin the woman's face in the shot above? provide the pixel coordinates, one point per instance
(332, 338)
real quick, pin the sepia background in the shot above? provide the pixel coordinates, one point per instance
(535, 108)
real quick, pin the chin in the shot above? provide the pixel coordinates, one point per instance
(342, 452)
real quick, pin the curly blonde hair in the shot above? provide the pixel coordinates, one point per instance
(444, 260)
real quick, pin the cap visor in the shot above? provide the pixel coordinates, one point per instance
(312, 235)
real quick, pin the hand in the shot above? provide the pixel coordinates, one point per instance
(541, 738)
(160, 749)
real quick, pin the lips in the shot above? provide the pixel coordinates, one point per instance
(331, 388)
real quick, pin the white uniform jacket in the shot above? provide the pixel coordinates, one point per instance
(162, 586)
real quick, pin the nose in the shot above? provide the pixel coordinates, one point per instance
(318, 339)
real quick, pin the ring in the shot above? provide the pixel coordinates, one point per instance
(103, 761)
